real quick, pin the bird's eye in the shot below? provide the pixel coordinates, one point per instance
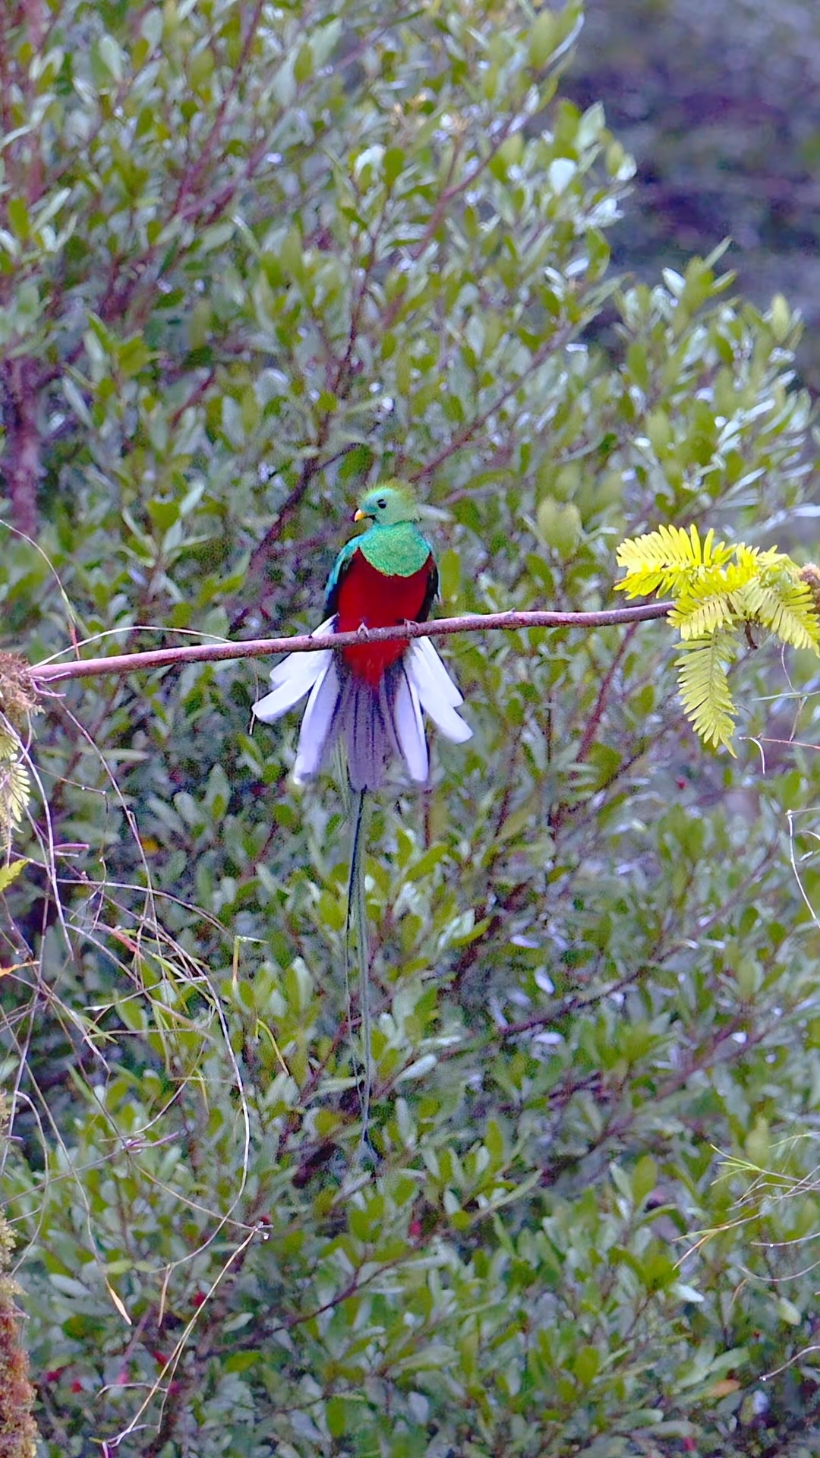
(381, 503)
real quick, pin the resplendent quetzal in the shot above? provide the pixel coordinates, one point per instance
(369, 697)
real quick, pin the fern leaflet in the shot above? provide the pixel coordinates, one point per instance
(667, 559)
(704, 686)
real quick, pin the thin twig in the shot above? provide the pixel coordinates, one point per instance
(603, 692)
(306, 643)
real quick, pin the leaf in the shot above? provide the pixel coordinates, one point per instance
(696, 618)
(543, 38)
(15, 784)
(111, 56)
(118, 1303)
(10, 873)
(668, 559)
(644, 1178)
(785, 606)
(704, 687)
(789, 1312)
(336, 1414)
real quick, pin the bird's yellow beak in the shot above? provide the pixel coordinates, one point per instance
(359, 515)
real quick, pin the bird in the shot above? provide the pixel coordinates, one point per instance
(370, 697)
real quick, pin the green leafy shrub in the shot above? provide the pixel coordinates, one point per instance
(252, 257)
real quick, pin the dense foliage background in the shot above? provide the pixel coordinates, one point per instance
(251, 258)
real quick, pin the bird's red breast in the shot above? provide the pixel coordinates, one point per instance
(379, 601)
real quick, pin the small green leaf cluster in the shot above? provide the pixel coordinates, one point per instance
(717, 590)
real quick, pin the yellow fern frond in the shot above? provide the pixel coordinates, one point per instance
(668, 559)
(784, 605)
(10, 873)
(16, 790)
(18, 701)
(704, 687)
(715, 599)
(15, 785)
(717, 587)
(696, 618)
(770, 558)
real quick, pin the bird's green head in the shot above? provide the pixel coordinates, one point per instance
(387, 504)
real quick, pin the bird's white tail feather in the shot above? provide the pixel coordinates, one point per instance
(437, 692)
(319, 724)
(294, 677)
(372, 723)
(409, 726)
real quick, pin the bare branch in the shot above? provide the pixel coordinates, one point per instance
(305, 643)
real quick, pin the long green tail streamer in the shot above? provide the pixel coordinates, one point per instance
(357, 918)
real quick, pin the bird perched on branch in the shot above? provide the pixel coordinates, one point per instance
(370, 697)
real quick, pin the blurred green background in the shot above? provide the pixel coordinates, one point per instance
(719, 103)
